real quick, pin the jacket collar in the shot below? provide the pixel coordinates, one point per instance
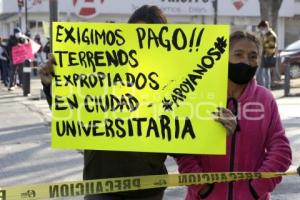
(248, 92)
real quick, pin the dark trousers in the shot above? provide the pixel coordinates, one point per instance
(4, 72)
(16, 68)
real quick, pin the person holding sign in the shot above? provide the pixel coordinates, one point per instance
(259, 143)
(109, 164)
(18, 38)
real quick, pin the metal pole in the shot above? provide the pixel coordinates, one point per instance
(287, 80)
(20, 17)
(26, 16)
(215, 6)
(26, 78)
(53, 16)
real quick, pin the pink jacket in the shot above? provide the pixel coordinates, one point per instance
(260, 145)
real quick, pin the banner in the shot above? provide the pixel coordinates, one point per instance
(139, 87)
(122, 184)
(21, 52)
(34, 46)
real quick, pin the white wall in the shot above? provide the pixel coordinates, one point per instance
(228, 14)
(183, 7)
(297, 8)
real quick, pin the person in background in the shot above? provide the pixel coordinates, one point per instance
(109, 164)
(17, 38)
(38, 55)
(28, 33)
(4, 64)
(46, 48)
(1, 67)
(268, 60)
(259, 143)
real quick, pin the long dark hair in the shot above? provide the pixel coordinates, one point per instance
(149, 14)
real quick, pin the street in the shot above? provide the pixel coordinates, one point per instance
(26, 156)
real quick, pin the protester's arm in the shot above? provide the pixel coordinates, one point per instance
(275, 43)
(278, 154)
(192, 163)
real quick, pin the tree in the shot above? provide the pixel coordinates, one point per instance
(269, 10)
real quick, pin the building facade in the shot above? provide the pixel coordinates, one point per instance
(240, 14)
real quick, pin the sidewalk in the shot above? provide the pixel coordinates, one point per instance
(26, 156)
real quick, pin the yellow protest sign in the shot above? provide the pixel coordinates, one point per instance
(139, 87)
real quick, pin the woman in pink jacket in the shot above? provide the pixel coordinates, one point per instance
(258, 143)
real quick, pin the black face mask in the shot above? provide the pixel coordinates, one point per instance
(241, 73)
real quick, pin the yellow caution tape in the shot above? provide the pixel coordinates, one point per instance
(100, 186)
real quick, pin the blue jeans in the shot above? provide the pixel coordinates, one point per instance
(263, 77)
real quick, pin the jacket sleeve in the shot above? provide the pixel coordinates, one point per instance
(190, 164)
(278, 155)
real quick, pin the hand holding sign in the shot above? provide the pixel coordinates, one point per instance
(227, 119)
(47, 70)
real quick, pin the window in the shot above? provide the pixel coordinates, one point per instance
(40, 24)
(32, 24)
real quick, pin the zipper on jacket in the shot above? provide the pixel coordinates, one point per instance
(232, 149)
(231, 166)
